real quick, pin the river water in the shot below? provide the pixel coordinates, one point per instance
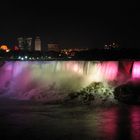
(26, 120)
(23, 84)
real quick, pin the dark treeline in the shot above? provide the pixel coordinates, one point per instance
(96, 54)
(114, 54)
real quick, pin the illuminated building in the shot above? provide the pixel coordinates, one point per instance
(25, 43)
(53, 47)
(29, 43)
(21, 43)
(37, 44)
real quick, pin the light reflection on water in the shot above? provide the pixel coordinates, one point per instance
(135, 123)
(65, 122)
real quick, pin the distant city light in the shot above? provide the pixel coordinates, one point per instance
(8, 50)
(16, 48)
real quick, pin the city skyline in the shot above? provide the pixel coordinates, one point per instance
(28, 42)
(72, 26)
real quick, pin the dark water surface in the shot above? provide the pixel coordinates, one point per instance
(23, 120)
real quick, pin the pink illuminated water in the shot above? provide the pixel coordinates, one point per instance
(108, 70)
(136, 70)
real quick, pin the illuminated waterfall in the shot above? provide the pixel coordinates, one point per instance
(55, 79)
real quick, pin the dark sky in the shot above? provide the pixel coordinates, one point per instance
(71, 24)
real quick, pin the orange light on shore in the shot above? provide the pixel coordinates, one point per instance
(4, 47)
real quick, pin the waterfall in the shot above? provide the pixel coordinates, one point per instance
(54, 79)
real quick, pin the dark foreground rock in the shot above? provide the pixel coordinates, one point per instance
(128, 93)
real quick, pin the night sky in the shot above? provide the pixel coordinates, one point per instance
(71, 24)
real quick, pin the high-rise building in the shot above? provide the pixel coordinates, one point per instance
(25, 43)
(53, 47)
(29, 43)
(21, 43)
(37, 44)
